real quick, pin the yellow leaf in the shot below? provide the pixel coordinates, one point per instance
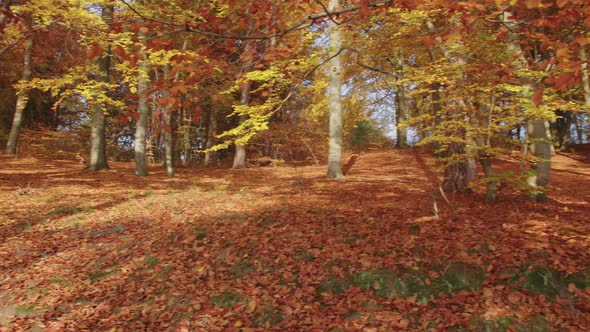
(251, 306)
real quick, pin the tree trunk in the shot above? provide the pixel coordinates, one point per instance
(210, 156)
(485, 160)
(562, 126)
(240, 152)
(538, 131)
(401, 112)
(579, 131)
(186, 118)
(21, 99)
(168, 142)
(335, 101)
(454, 177)
(585, 81)
(98, 153)
(470, 162)
(541, 149)
(143, 109)
(585, 76)
(491, 184)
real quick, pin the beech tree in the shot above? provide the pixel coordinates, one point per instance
(98, 153)
(334, 97)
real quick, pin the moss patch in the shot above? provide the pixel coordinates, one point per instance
(228, 299)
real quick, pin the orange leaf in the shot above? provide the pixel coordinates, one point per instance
(530, 4)
(562, 3)
(582, 41)
(376, 285)
(562, 52)
(514, 297)
(538, 96)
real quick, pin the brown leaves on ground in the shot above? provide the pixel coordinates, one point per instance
(286, 249)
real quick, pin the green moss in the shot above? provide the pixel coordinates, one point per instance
(580, 279)
(200, 233)
(542, 280)
(460, 276)
(228, 299)
(351, 238)
(332, 285)
(65, 211)
(304, 255)
(267, 316)
(407, 282)
(152, 261)
(242, 268)
(353, 315)
(506, 324)
(98, 275)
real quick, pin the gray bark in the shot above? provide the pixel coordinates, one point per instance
(335, 101)
(168, 142)
(21, 98)
(540, 146)
(186, 118)
(143, 109)
(98, 155)
(483, 142)
(585, 79)
(538, 131)
(240, 152)
(211, 138)
(401, 115)
(585, 76)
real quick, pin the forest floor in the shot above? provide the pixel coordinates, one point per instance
(284, 248)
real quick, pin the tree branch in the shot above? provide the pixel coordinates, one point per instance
(11, 45)
(303, 23)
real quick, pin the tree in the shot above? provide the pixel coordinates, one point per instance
(22, 96)
(335, 98)
(142, 107)
(98, 154)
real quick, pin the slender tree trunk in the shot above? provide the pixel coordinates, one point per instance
(335, 100)
(579, 131)
(210, 156)
(485, 160)
(401, 112)
(541, 149)
(470, 162)
(458, 176)
(98, 154)
(141, 168)
(585, 81)
(240, 152)
(21, 98)
(562, 128)
(538, 131)
(186, 136)
(585, 76)
(168, 142)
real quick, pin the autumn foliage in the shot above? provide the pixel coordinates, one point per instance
(231, 111)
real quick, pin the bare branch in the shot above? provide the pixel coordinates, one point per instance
(303, 23)
(11, 45)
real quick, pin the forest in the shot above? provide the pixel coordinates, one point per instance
(294, 165)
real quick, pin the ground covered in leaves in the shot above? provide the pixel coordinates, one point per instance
(286, 249)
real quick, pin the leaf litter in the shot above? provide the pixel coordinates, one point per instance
(286, 249)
